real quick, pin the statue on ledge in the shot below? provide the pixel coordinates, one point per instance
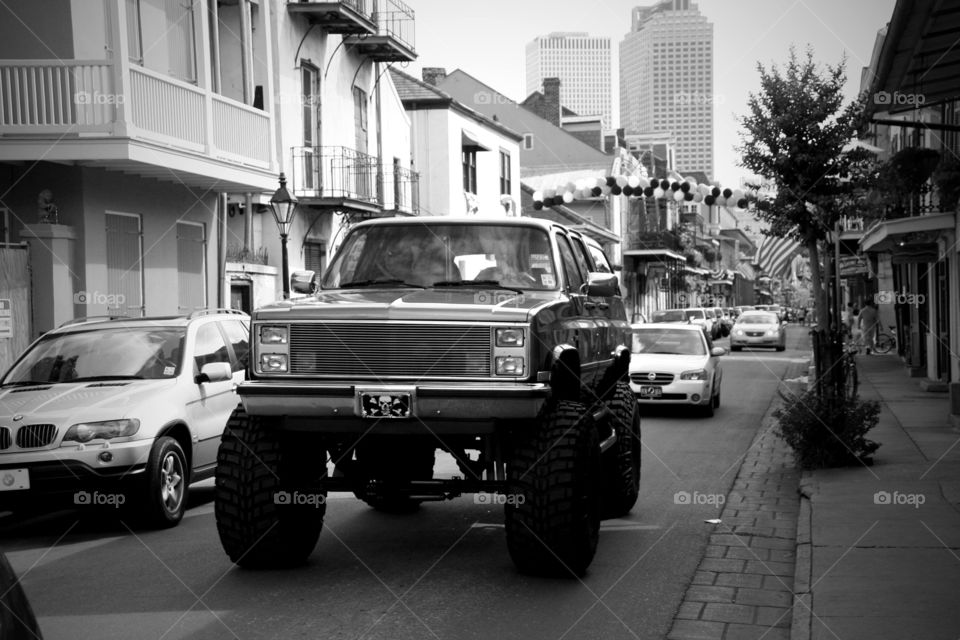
(46, 209)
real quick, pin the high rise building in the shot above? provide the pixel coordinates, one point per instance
(666, 80)
(582, 63)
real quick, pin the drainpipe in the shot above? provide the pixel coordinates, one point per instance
(222, 293)
(246, 51)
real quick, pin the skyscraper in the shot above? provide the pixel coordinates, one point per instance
(666, 79)
(582, 63)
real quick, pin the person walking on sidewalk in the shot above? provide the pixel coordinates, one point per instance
(868, 325)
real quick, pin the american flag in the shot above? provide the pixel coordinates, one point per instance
(774, 255)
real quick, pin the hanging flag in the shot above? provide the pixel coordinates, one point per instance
(774, 255)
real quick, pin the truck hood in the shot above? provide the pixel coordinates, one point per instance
(454, 304)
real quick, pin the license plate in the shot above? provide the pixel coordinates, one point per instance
(651, 392)
(385, 405)
(14, 479)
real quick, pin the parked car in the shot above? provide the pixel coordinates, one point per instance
(668, 315)
(675, 364)
(698, 316)
(121, 413)
(758, 329)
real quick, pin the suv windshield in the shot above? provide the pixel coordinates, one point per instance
(102, 353)
(427, 254)
(668, 316)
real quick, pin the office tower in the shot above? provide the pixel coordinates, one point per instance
(582, 63)
(666, 80)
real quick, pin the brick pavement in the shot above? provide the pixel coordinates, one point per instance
(743, 588)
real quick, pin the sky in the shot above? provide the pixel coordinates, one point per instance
(486, 38)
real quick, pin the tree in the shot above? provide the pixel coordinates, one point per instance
(795, 135)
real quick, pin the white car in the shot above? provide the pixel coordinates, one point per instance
(675, 364)
(758, 329)
(120, 413)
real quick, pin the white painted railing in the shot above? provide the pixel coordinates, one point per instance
(240, 130)
(54, 97)
(39, 96)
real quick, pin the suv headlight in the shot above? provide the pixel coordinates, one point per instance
(87, 431)
(273, 334)
(699, 374)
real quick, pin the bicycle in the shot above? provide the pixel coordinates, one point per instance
(884, 342)
(851, 381)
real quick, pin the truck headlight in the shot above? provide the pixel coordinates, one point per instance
(510, 366)
(273, 362)
(270, 334)
(87, 431)
(510, 337)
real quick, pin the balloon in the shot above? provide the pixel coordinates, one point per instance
(709, 200)
(675, 186)
(633, 182)
(538, 195)
(549, 193)
(742, 203)
(567, 197)
(664, 184)
(698, 197)
(537, 205)
(678, 195)
(658, 192)
(605, 190)
(685, 187)
(611, 181)
(595, 192)
(570, 186)
(727, 192)
(621, 181)
(715, 192)
(738, 194)
(628, 190)
(721, 201)
(644, 182)
(648, 191)
(687, 195)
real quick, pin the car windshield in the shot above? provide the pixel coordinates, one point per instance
(668, 341)
(695, 314)
(449, 254)
(101, 354)
(758, 319)
(668, 316)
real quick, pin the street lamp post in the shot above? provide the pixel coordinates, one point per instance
(283, 205)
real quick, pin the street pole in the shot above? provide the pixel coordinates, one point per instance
(285, 267)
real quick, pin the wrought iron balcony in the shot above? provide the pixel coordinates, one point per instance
(351, 17)
(653, 240)
(393, 40)
(354, 181)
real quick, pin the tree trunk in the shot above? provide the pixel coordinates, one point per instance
(826, 354)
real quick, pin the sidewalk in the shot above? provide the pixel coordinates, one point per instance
(878, 548)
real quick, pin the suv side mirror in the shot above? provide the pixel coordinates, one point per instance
(214, 372)
(601, 284)
(303, 282)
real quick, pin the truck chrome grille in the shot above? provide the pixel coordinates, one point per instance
(389, 349)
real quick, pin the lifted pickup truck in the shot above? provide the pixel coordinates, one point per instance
(503, 341)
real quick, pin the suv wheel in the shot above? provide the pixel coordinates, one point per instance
(621, 463)
(392, 466)
(259, 526)
(553, 522)
(167, 482)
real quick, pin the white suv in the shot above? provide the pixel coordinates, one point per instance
(121, 413)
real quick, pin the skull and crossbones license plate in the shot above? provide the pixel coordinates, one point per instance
(384, 405)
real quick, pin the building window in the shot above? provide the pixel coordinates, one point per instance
(168, 28)
(360, 118)
(469, 169)
(528, 141)
(124, 264)
(505, 181)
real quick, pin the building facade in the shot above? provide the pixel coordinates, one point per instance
(582, 64)
(666, 80)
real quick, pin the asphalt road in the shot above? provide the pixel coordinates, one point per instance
(443, 572)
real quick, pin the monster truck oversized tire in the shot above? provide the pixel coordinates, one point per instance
(621, 462)
(393, 465)
(255, 466)
(553, 518)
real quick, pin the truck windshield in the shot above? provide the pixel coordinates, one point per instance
(426, 254)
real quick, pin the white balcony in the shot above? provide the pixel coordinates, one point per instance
(125, 117)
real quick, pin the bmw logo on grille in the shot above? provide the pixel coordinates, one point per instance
(651, 376)
(17, 418)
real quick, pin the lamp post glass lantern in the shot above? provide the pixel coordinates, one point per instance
(283, 205)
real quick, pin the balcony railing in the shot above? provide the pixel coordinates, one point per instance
(60, 98)
(394, 39)
(345, 16)
(653, 240)
(346, 175)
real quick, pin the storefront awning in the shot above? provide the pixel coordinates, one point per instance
(886, 235)
(654, 254)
